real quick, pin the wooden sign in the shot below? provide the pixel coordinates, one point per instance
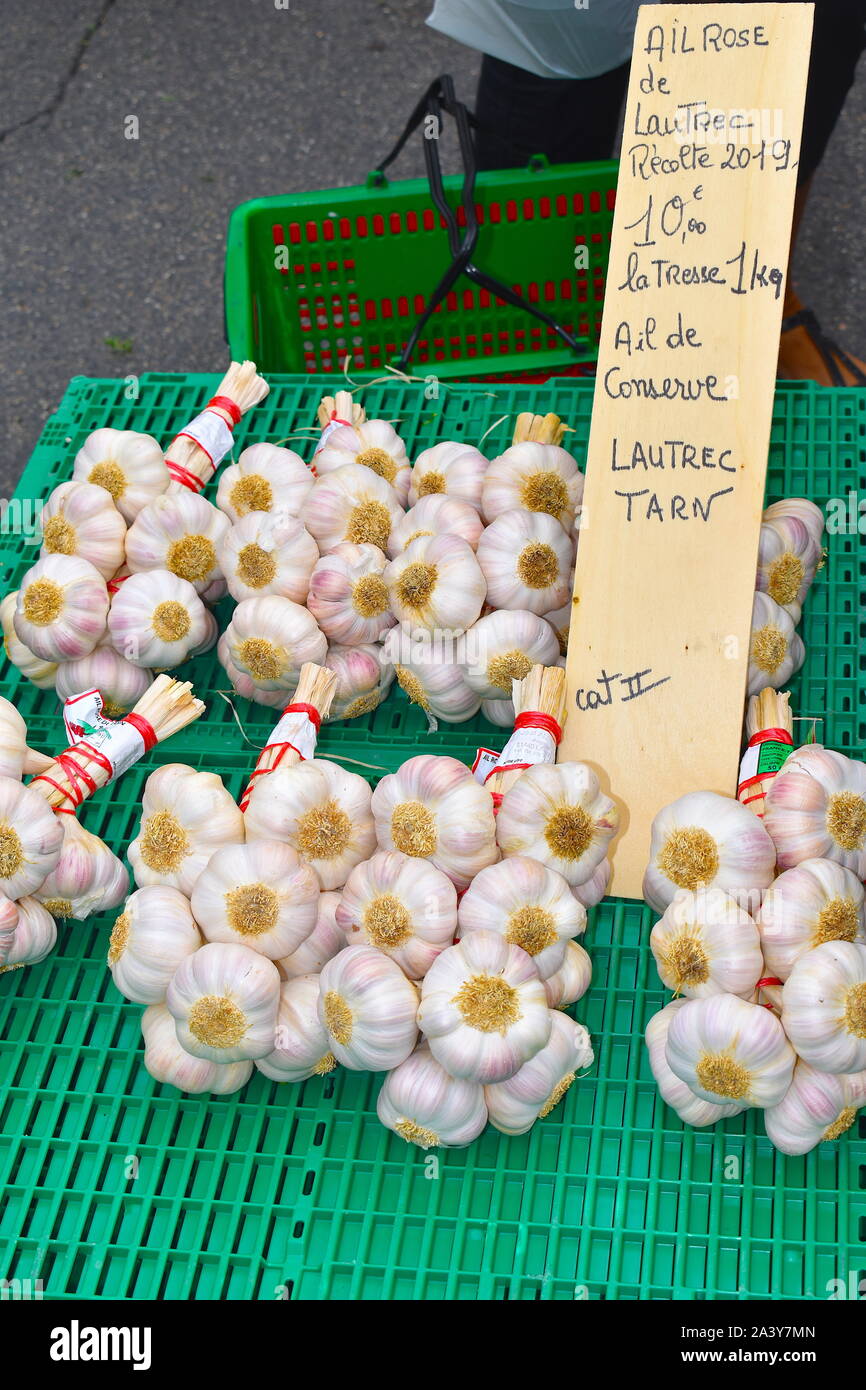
(659, 639)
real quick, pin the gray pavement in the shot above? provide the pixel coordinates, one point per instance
(112, 248)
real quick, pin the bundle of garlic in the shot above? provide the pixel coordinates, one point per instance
(198, 449)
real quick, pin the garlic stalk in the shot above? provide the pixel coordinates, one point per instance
(348, 596)
(450, 467)
(824, 1006)
(368, 1008)
(538, 710)
(789, 555)
(196, 452)
(674, 1092)
(817, 1108)
(537, 1088)
(421, 1103)
(321, 811)
(527, 904)
(527, 559)
(371, 444)
(436, 515)
(428, 670)
(434, 809)
(707, 944)
(268, 640)
(571, 981)
(268, 553)
(259, 895)
(40, 673)
(61, 608)
(79, 520)
(31, 839)
(265, 479)
(405, 909)
(706, 840)
(224, 1000)
(503, 647)
(35, 936)
(816, 809)
(776, 650)
(364, 678)
(302, 1045)
(814, 902)
(556, 813)
(326, 940)
(153, 934)
(293, 737)
(351, 504)
(157, 620)
(180, 532)
(770, 735)
(16, 757)
(167, 1062)
(483, 1009)
(88, 878)
(119, 681)
(128, 465)
(730, 1052)
(185, 816)
(436, 584)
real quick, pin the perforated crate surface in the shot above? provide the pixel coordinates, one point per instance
(116, 1187)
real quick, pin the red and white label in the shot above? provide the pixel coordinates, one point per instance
(120, 743)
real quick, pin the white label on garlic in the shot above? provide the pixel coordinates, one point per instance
(211, 433)
(297, 729)
(116, 740)
(485, 761)
(527, 747)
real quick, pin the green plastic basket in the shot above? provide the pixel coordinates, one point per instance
(362, 262)
(116, 1187)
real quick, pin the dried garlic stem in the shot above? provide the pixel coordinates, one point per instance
(341, 407)
(766, 712)
(242, 386)
(542, 691)
(541, 429)
(316, 688)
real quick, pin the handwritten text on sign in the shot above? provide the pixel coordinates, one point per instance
(659, 638)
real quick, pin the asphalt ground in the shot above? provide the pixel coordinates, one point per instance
(112, 248)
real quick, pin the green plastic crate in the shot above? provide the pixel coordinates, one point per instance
(362, 262)
(115, 1187)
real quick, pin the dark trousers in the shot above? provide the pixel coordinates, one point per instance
(575, 120)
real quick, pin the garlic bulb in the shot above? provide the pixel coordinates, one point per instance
(540, 1084)
(87, 879)
(593, 889)
(258, 895)
(776, 650)
(436, 515)
(157, 620)
(35, 936)
(533, 477)
(703, 839)
(707, 944)
(431, 675)
(557, 814)
(224, 1000)
(268, 640)
(816, 809)
(8, 925)
(571, 981)
(363, 680)
(499, 712)
(268, 553)
(120, 683)
(348, 596)
(324, 942)
(351, 504)
(166, 1060)
(61, 608)
(814, 902)
(405, 909)
(368, 1009)
(503, 647)
(185, 816)
(31, 838)
(436, 584)
(730, 1052)
(527, 559)
(78, 519)
(824, 1006)
(434, 809)
(302, 1045)
(452, 467)
(243, 684)
(372, 444)
(529, 905)
(788, 558)
(817, 1107)
(674, 1092)
(798, 509)
(153, 934)
(130, 466)
(425, 1106)
(483, 1008)
(180, 532)
(266, 478)
(321, 810)
(560, 620)
(41, 673)
(15, 756)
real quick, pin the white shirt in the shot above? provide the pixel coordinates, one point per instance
(552, 38)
